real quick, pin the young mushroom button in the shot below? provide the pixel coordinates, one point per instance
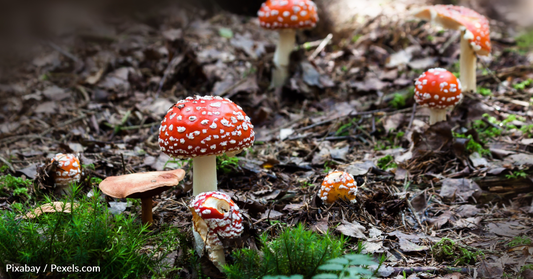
(67, 171)
(202, 128)
(475, 37)
(338, 185)
(215, 215)
(437, 89)
(286, 16)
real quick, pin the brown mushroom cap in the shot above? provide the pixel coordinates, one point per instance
(141, 185)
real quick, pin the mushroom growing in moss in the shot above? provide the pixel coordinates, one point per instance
(215, 215)
(67, 171)
(142, 186)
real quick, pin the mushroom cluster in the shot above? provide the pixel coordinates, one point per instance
(67, 171)
(202, 128)
(475, 37)
(437, 89)
(286, 16)
(338, 185)
(215, 215)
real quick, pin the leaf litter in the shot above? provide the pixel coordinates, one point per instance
(340, 110)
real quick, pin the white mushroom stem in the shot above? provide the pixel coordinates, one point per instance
(436, 115)
(286, 42)
(204, 174)
(467, 63)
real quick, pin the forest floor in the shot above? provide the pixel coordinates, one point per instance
(348, 106)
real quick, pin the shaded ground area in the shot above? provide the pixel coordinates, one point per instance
(349, 106)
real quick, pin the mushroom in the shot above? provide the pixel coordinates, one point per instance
(437, 89)
(67, 171)
(215, 215)
(286, 16)
(202, 128)
(142, 186)
(475, 37)
(338, 185)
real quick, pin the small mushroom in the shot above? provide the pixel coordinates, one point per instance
(214, 215)
(338, 185)
(67, 171)
(203, 128)
(475, 37)
(142, 186)
(437, 89)
(287, 16)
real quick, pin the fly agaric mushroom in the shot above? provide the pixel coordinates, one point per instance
(286, 16)
(338, 185)
(202, 128)
(475, 37)
(142, 186)
(67, 171)
(215, 215)
(437, 89)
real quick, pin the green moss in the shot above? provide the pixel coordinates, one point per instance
(525, 42)
(522, 85)
(14, 185)
(484, 91)
(516, 174)
(227, 164)
(387, 162)
(295, 251)
(447, 250)
(89, 236)
(519, 241)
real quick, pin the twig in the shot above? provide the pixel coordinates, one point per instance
(64, 52)
(338, 118)
(7, 163)
(235, 85)
(452, 39)
(412, 117)
(409, 270)
(321, 46)
(413, 211)
(496, 78)
(173, 63)
(135, 127)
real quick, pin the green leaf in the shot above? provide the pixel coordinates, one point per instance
(332, 267)
(283, 277)
(326, 276)
(359, 259)
(342, 261)
(358, 270)
(225, 32)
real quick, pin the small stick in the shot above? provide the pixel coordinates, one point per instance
(321, 46)
(410, 270)
(412, 117)
(64, 52)
(7, 163)
(452, 39)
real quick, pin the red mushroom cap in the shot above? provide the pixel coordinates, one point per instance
(203, 126)
(457, 17)
(338, 185)
(288, 14)
(437, 88)
(219, 212)
(67, 170)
